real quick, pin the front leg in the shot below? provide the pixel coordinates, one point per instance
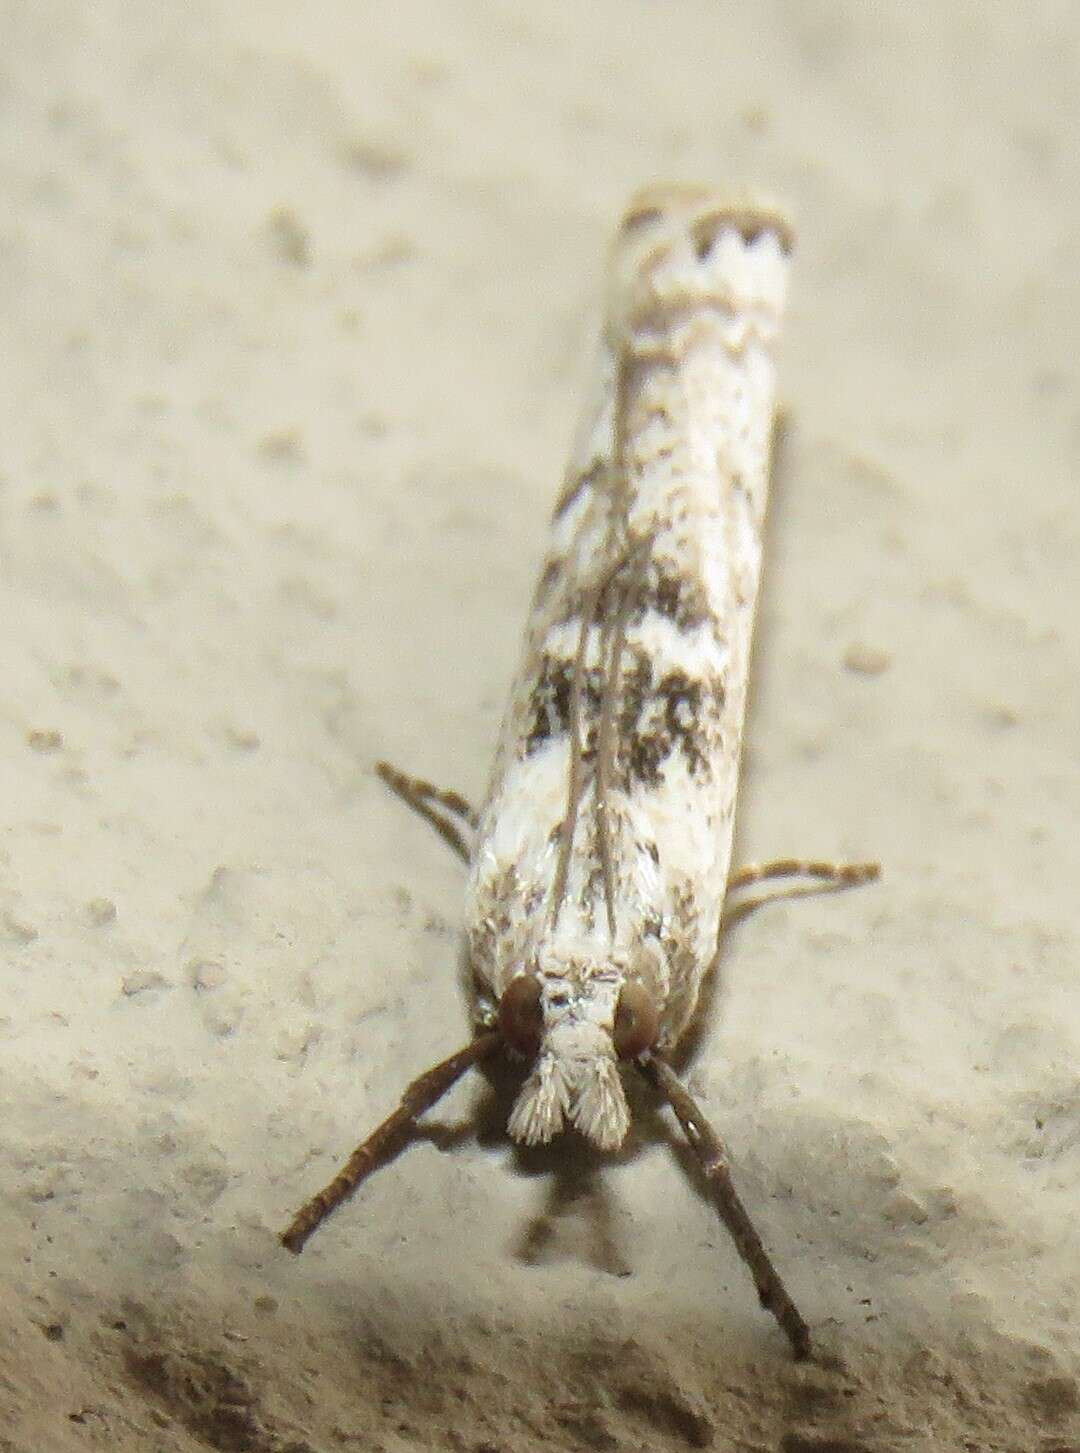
(713, 1158)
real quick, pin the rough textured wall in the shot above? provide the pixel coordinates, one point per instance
(293, 306)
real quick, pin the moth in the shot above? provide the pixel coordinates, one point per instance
(598, 866)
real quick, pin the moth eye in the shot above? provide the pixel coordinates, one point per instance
(636, 1021)
(521, 1016)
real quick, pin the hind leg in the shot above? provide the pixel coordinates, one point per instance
(824, 878)
(452, 817)
(838, 875)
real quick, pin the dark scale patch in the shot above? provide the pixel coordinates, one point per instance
(656, 718)
(549, 705)
(641, 752)
(750, 223)
(579, 601)
(690, 706)
(574, 604)
(679, 599)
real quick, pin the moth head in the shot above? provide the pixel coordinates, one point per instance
(575, 1029)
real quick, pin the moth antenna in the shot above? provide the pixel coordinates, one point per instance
(575, 775)
(606, 733)
(418, 1098)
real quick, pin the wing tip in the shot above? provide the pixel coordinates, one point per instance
(706, 213)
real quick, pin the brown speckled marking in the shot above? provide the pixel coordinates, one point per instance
(691, 711)
(671, 593)
(750, 223)
(550, 702)
(486, 934)
(677, 713)
(678, 597)
(678, 939)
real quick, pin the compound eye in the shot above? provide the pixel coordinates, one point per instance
(636, 1021)
(521, 1015)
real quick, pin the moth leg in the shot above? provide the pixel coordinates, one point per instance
(443, 809)
(420, 1096)
(710, 1151)
(839, 875)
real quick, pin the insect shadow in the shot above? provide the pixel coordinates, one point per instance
(579, 1216)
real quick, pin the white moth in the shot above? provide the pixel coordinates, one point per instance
(600, 862)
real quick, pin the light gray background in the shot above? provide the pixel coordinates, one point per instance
(294, 305)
